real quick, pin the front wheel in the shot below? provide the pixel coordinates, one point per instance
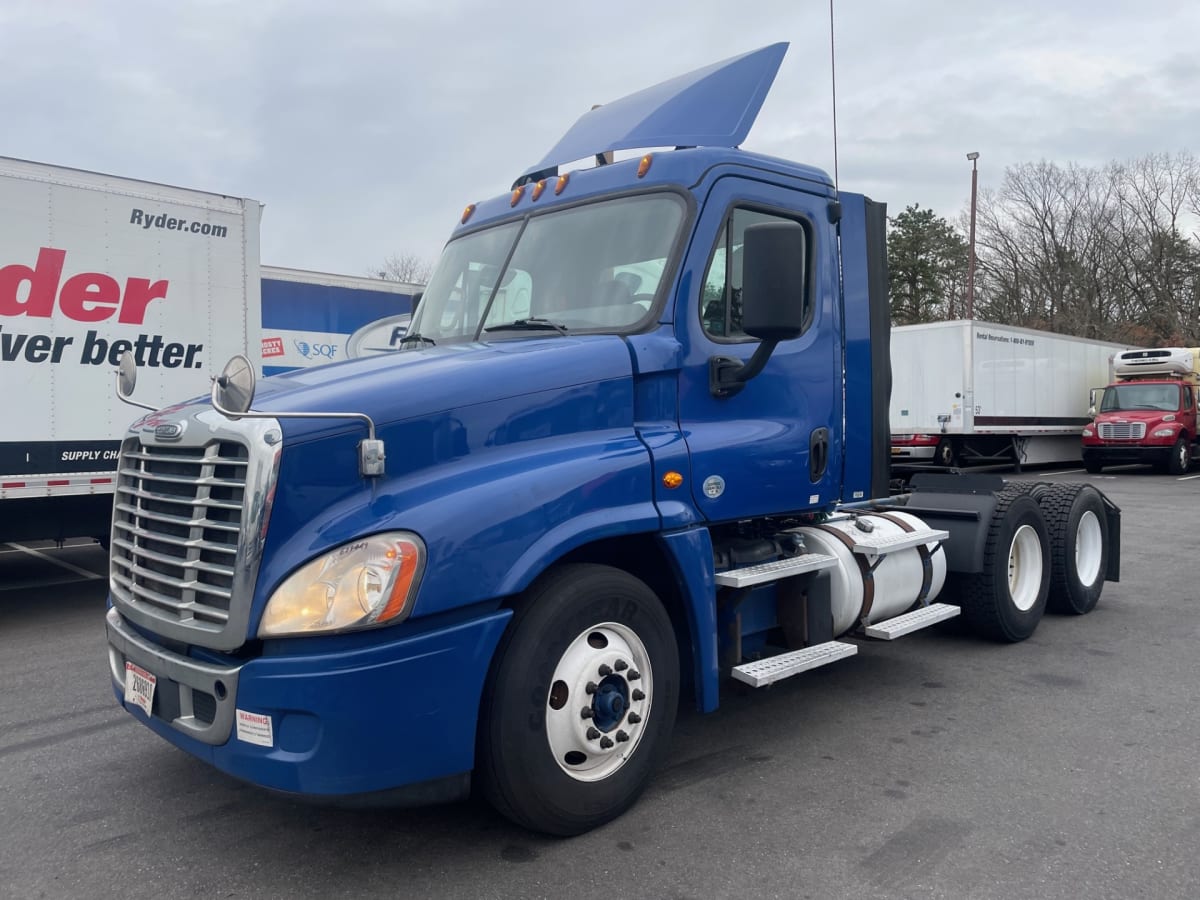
(580, 702)
(1092, 465)
(1180, 458)
(1006, 600)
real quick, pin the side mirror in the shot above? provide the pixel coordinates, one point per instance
(775, 300)
(775, 303)
(127, 380)
(233, 389)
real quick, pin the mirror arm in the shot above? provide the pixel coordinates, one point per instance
(728, 375)
(371, 455)
(125, 399)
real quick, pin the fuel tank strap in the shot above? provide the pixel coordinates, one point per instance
(923, 550)
(868, 576)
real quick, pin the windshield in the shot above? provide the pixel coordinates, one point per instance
(1163, 397)
(589, 268)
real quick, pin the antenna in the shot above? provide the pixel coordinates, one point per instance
(833, 87)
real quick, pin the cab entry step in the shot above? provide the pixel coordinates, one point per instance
(889, 629)
(762, 672)
(871, 546)
(774, 571)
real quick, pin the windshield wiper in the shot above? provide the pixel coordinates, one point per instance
(413, 336)
(533, 323)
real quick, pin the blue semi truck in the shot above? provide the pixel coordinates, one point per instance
(635, 444)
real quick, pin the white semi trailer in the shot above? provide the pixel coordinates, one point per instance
(967, 392)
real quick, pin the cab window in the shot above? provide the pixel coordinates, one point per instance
(721, 296)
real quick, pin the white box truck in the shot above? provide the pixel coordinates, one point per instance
(92, 265)
(968, 392)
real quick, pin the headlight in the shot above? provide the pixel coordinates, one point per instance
(1164, 432)
(359, 585)
(1088, 432)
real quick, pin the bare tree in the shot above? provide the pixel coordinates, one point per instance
(406, 267)
(1101, 253)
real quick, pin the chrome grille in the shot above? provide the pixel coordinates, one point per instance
(1122, 431)
(178, 513)
(189, 520)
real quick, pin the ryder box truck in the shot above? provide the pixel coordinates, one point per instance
(92, 265)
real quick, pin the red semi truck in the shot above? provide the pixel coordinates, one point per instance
(1148, 415)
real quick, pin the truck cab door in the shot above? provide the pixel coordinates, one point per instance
(775, 445)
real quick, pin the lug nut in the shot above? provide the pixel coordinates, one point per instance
(622, 737)
(586, 713)
(634, 675)
(638, 695)
(593, 733)
(605, 670)
(620, 665)
(590, 687)
(634, 718)
(605, 742)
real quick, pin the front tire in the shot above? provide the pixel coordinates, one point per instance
(1092, 466)
(580, 701)
(1006, 600)
(1180, 458)
(1078, 526)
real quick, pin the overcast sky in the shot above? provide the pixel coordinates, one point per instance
(365, 127)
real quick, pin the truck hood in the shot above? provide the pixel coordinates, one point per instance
(415, 384)
(1136, 415)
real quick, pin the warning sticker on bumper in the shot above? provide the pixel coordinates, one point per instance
(254, 728)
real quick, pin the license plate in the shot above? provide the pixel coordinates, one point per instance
(139, 687)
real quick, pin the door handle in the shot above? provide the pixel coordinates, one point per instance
(818, 453)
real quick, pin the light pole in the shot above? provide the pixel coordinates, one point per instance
(973, 157)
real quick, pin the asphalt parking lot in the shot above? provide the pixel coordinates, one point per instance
(936, 766)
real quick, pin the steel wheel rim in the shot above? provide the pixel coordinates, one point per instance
(1089, 548)
(612, 660)
(1024, 568)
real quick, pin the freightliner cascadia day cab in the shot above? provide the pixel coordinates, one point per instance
(968, 392)
(636, 443)
(1148, 415)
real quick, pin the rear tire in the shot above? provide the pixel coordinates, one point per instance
(1078, 526)
(945, 454)
(580, 701)
(1006, 600)
(1180, 458)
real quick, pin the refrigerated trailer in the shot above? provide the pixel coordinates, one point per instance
(968, 392)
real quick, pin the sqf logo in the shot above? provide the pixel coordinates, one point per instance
(316, 351)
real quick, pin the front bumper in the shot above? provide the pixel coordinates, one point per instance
(341, 723)
(1116, 454)
(913, 451)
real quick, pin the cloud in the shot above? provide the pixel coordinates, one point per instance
(366, 127)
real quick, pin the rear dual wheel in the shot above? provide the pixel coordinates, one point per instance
(1006, 600)
(1079, 546)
